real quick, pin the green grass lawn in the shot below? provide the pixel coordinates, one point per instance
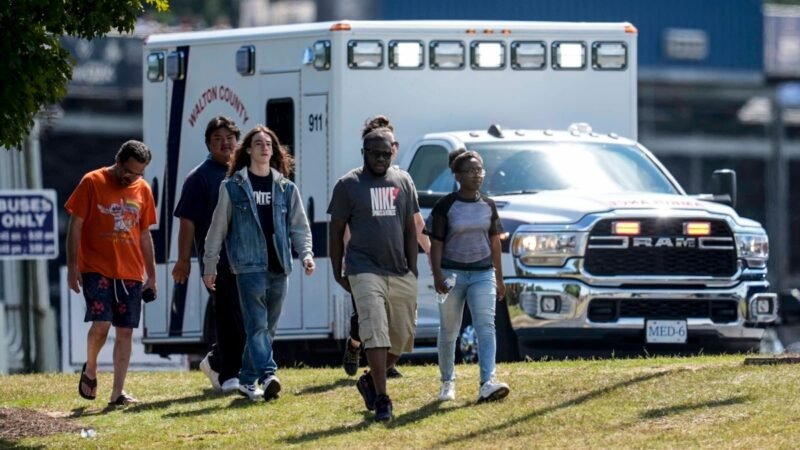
(707, 401)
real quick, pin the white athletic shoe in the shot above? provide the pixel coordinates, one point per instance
(251, 391)
(230, 385)
(492, 390)
(448, 391)
(213, 375)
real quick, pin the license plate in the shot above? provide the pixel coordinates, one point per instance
(666, 331)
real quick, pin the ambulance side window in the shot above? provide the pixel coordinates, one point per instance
(280, 119)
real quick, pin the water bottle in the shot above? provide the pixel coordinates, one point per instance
(449, 282)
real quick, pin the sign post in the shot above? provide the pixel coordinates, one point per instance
(28, 224)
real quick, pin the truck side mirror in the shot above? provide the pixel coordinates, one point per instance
(723, 186)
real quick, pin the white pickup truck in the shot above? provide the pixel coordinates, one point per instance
(604, 245)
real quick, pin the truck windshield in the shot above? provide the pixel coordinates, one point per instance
(529, 167)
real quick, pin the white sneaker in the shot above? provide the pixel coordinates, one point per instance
(251, 391)
(492, 390)
(230, 385)
(272, 386)
(447, 391)
(213, 375)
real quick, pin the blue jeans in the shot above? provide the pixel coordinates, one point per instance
(261, 297)
(477, 289)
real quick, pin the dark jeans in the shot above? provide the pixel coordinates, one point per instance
(225, 356)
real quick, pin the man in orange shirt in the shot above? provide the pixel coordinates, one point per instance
(110, 254)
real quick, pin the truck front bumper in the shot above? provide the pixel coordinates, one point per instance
(567, 309)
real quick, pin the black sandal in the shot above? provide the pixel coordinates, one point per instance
(124, 399)
(87, 382)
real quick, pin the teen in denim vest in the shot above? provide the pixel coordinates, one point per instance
(260, 217)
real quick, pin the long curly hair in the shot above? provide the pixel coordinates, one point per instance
(281, 160)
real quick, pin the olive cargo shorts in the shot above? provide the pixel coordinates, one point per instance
(387, 310)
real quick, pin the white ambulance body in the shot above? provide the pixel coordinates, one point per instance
(316, 84)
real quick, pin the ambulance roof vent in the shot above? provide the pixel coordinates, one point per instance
(474, 134)
(496, 131)
(613, 135)
(519, 133)
(549, 132)
(577, 129)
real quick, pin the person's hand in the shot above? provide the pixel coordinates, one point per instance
(309, 265)
(74, 279)
(180, 273)
(344, 283)
(150, 283)
(501, 290)
(209, 281)
(438, 283)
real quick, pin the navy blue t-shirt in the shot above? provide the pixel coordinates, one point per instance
(198, 200)
(262, 193)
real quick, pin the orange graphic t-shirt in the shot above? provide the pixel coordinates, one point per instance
(114, 218)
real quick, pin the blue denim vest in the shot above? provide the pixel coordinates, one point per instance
(245, 243)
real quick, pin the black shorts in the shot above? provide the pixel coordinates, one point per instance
(110, 300)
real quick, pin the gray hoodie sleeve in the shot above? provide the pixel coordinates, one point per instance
(299, 231)
(217, 231)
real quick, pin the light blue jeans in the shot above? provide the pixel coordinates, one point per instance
(477, 289)
(261, 297)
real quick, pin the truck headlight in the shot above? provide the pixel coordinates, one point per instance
(753, 248)
(547, 249)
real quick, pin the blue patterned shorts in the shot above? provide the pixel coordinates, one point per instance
(110, 300)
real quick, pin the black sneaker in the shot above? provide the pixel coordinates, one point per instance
(272, 387)
(351, 358)
(366, 387)
(383, 408)
(392, 372)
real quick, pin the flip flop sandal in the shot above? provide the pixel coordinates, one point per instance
(124, 400)
(87, 382)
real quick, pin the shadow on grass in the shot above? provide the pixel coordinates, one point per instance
(238, 402)
(5, 443)
(567, 404)
(327, 387)
(678, 409)
(147, 406)
(430, 409)
(85, 411)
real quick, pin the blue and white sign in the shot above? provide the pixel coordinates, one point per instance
(28, 224)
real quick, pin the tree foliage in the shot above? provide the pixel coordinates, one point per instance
(35, 68)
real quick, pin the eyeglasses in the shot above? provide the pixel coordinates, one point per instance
(395, 144)
(479, 171)
(377, 154)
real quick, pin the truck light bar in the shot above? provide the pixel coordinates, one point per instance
(626, 228)
(447, 55)
(697, 228)
(609, 56)
(528, 55)
(365, 54)
(569, 55)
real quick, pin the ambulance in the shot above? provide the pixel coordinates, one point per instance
(443, 84)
